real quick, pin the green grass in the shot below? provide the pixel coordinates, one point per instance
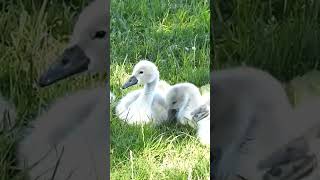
(279, 36)
(164, 32)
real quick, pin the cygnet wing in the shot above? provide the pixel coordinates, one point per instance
(128, 99)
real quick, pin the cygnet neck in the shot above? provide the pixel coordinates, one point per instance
(193, 96)
(150, 87)
(186, 104)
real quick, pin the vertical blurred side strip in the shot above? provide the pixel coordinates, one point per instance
(108, 90)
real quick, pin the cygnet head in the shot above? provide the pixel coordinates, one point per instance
(175, 100)
(87, 49)
(178, 97)
(143, 73)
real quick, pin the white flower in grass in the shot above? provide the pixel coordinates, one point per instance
(172, 47)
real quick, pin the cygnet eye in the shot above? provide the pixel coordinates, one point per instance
(174, 102)
(141, 72)
(100, 34)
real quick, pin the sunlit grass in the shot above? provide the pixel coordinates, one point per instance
(175, 36)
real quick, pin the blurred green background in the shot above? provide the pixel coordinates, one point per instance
(279, 36)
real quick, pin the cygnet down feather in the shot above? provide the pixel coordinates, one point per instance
(182, 99)
(147, 104)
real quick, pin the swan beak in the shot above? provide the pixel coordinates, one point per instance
(172, 114)
(72, 61)
(131, 81)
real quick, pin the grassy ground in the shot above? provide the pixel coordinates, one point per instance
(175, 35)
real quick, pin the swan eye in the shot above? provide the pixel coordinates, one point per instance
(100, 34)
(174, 102)
(141, 72)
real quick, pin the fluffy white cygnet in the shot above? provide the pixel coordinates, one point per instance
(186, 104)
(147, 104)
(182, 99)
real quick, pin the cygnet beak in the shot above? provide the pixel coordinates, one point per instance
(72, 61)
(172, 113)
(131, 81)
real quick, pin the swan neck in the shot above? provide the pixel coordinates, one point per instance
(186, 104)
(150, 87)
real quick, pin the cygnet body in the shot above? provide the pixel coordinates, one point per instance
(250, 112)
(72, 130)
(147, 104)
